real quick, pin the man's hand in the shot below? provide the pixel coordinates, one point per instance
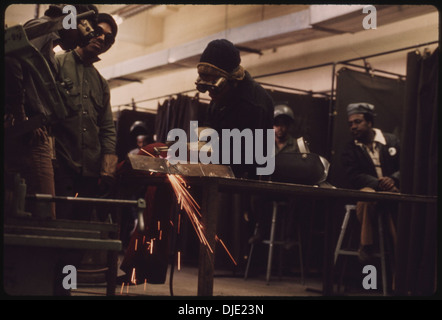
(387, 184)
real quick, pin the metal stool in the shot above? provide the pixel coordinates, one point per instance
(349, 252)
(271, 242)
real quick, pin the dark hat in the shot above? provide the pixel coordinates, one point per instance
(360, 107)
(107, 18)
(222, 54)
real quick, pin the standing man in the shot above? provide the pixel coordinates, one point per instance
(85, 141)
(237, 101)
(30, 154)
(371, 162)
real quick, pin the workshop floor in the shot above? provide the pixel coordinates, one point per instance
(226, 284)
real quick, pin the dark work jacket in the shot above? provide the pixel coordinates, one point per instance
(88, 132)
(360, 169)
(247, 106)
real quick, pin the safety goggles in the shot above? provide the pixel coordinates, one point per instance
(109, 38)
(212, 86)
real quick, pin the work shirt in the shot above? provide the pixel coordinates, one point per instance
(88, 132)
(373, 152)
(360, 168)
(290, 146)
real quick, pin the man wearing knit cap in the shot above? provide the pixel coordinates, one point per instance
(237, 101)
(371, 161)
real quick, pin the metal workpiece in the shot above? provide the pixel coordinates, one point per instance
(159, 165)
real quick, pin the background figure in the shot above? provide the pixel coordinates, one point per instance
(31, 154)
(85, 140)
(371, 161)
(139, 132)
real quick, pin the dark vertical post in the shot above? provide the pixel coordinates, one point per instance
(209, 212)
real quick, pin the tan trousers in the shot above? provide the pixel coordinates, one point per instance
(365, 211)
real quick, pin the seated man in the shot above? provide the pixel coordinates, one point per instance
(371, 161)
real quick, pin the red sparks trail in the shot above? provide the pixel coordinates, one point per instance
(191, 207)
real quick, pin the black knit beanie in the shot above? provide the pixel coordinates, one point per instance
(107, 18)
(222, 54)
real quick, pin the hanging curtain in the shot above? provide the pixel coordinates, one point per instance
(417, 224)
(177, 113)
(385, 93)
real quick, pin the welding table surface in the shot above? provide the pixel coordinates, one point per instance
(213, 186)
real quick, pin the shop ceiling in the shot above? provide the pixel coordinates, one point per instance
(318, 21)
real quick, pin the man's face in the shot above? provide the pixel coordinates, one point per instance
(359, 127)
(100, 44)
(281, 126)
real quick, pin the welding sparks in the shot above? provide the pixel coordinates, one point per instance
(133, 278)
(136, 244)
(179, 260)
(225, 248)
(190, 206)
(122, 286)
(150, 154)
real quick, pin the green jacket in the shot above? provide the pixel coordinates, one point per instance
(290, 146)
(88, 132)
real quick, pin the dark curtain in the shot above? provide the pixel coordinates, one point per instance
(311, 118)
(177, 112)
(417, 224)
(386, 94)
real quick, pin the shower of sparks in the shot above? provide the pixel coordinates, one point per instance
(179, 260)
(136, 244)
(145, 281)
(191, 207)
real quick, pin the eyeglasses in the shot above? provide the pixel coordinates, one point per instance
(109, 38)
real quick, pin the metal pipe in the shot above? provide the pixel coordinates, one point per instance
(345, 61)
(140, 203)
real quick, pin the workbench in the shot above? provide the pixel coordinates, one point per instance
(35, 250)
(212, 187)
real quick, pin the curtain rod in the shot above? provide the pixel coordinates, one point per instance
(346, 61)
(192, 90)
(296, 70)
